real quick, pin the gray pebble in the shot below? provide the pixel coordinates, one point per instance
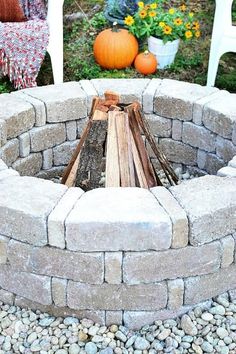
(90, 348)
(141, 343)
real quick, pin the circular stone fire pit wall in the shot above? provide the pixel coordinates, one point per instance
(117, 255)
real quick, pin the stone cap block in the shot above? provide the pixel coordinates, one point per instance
(177, 215)
(220, 115)
(210, 204)
(115, 219)
(224, 172)
(56, 220)
(18, 114)
(64, 102)
(38, 105)
(25, 203)
(175, 99)
(129, 89)
(148, 95)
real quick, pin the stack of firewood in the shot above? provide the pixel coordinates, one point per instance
(113, 142)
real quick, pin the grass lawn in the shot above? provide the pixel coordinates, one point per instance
(190, 64)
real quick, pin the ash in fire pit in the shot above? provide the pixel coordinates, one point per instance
(112, 149)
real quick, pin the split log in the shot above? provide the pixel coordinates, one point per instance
(112, 155)
(91, 160)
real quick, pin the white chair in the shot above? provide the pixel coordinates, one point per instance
(223, 37)
(55, 46)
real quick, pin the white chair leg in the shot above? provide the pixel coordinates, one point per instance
(57, 66)
(213, 67)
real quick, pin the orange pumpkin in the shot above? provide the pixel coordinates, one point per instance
(115, 48)
(146, 63)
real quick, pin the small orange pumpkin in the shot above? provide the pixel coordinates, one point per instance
(115, 48)
(146, 63)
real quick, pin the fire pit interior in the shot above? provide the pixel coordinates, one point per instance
(130, 255)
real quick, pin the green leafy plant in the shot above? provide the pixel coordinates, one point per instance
(166, 23)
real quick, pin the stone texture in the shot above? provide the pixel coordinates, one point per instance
(3, 249)
(207, 286)
(47, 159)
(96, 316)
(199, 137)
(179, 152)
(59, 263)
(24, 144)
(64, 102)
(45, 137)
(198, 106)
(114, 317)
(59, 291)
(6, 297)
(129, 89)
(56, 220)
(81, 123)
(225, 149)
(159, 126)
(175, 99)
(149, 267)
(227, 172)
(148, 95)
(232, 294)
(90, 91)
(30, 165)
(116, 297)
(213, 164)
(3, 132)
(113, 267)
(115, 219)
(10, 151)
(18, 115)
(71, 130)
(220, 115)
(34, 287)
(175, 294)
(137, 319)
(201, 158)
(234, 134)
(25, 204)
(63, 153)
(210, 203)
(177, 215)
(38, 106)
(228, 249)
(177, 128)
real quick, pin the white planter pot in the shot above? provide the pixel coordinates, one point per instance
(165, 53)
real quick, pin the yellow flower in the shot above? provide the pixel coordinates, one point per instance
(129, 21)
(197, 34)
(183, 8)
(188, 25)
(178, 22)
(171, 11)
(191, 14)
(152, 13)
(153, 6)
(196, 25)
(188, 34)
(162, 24)
(167, 30)
(141, 4)
(142, 13)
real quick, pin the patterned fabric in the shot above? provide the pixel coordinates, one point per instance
(23, 44)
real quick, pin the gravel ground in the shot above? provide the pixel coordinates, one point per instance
(211, 330)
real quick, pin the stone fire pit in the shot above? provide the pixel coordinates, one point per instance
(125, 254)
